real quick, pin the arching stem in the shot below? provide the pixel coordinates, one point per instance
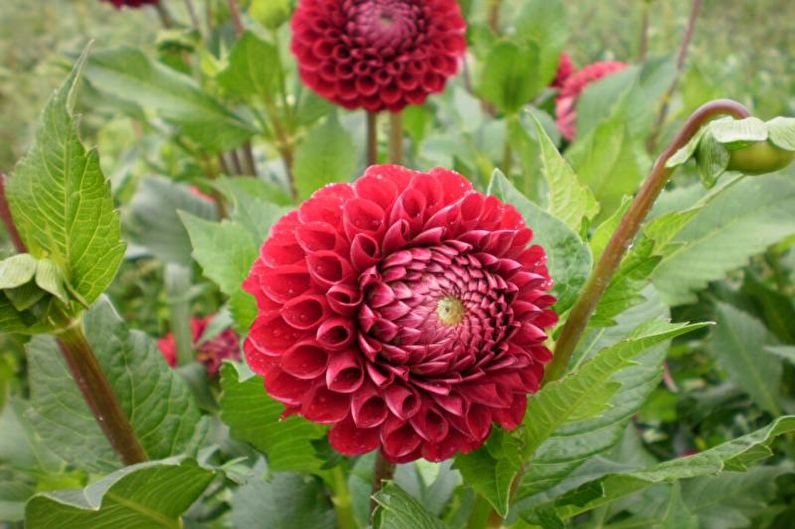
(630, 224)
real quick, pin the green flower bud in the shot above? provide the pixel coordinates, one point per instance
(759, 158)
(270, 13)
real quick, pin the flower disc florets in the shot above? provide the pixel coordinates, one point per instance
(407, 310)
(566, 103)
(377, 54)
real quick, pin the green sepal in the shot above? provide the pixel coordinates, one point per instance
(17, 270)
(712, 159)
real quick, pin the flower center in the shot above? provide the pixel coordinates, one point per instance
(450, 310)
(386, 25)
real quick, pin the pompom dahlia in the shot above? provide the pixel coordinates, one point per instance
(566, 69)
(566, 103)
(211, 353)
(407, 310)
(378, 54)
(130, 3)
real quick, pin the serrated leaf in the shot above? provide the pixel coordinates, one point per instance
(740, 222)
(285, 501)
(729, 130)
(568, 258)
(253, 66)
(326, 155)
(569, 199)
(602, 234)
(736, 454)
(398, 510)
(147, 495)
(17, 270)
(781, 133)
(737, 343)
(510, 74)
(130, 75)
(61, 201)
(255, 205)
(155, 224)
(157, 401)
(253, 417)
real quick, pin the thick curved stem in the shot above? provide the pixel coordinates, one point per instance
(604, 270)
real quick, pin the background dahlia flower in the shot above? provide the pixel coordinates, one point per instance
(377, 54)
(566, 103)
(407, 310)
(130, 3)
(211, 353)
(565, 70)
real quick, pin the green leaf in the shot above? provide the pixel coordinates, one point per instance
(737, 343)
(255, 205)
(130, 75)
(398, 510)
(569, 259)
(285, 501)
(62, 202)
(734, 455)
(155, 224)
(253, 417)
(569, 200)
(253, 68)
(147, 495)
(50, 279)
(545, 23)
(729, 130)
(326, 155)
(787, 352)
(17, 270)
(712, 159)
(685, 153)
(735, 225)
(781, 133)
(602, 234)
(677, 515)
(157, 401)
(510, 74)
(225, 252)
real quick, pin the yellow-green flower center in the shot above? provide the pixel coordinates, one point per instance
(450, 311)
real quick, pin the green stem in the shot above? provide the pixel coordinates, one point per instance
(396, 137)
(342, 500)
(177, 283)
(164, 15)
(98, 393)
(382, 470)
(372, 138)
(479, 516)
(604, 270)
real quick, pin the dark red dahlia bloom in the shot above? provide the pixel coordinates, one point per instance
(566, 69)
(211, 353)
(566, 103)
(407, 310)
(130, 3)
(378, 54)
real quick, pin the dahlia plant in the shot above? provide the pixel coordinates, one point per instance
(499, 341)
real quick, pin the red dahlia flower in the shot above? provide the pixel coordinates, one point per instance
(406, 310)
(211, 353)
(566, 103)
(566, 69)
(130, 3)
(377, 54)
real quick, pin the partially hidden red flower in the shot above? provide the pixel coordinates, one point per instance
(566, 103)
(407, 310)
(211, 353)
(130, 3)
(378, 54)
(566, 69)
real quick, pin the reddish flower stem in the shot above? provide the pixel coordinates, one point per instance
(494, 15)
(194, 17)
(248, 157)
(237, 20)
(604, 270)
(372, 138)
(396, 137)
(8, 220)
(382, 470)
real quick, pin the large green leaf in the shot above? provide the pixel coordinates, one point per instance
(738, 343)
(326, 155)
(62, 202)
(130, 75)
(544, 22)
(157, 401)
(569, 259)
(144, 496)
(285, 501)
(510, 75)
(398, 510)
(569, 199)
(253, 68)
(734, 455)
(735, 225)
(255, 417)
(154, 223)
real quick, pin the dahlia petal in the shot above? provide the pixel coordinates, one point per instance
(362, 216)
(315, 236)
(399, 438)
(304, 312)
(430, 425)
(325, 406)
(344, 299)
(335, 334)
(284, 283)
(368, 409)
(305, 360)
(272, 335)
(511, 417)
(350, 439)
(285, 387)
(365, 252)
(328, 268)
(344, 373)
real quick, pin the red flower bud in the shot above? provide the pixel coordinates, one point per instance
(211, 353)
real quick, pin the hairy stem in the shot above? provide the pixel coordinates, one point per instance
(382, 470)
(630, 224)
(98, 394)
(372, 138)
(237, 20)
(651, 144)
(8, 220)
(396, 137)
